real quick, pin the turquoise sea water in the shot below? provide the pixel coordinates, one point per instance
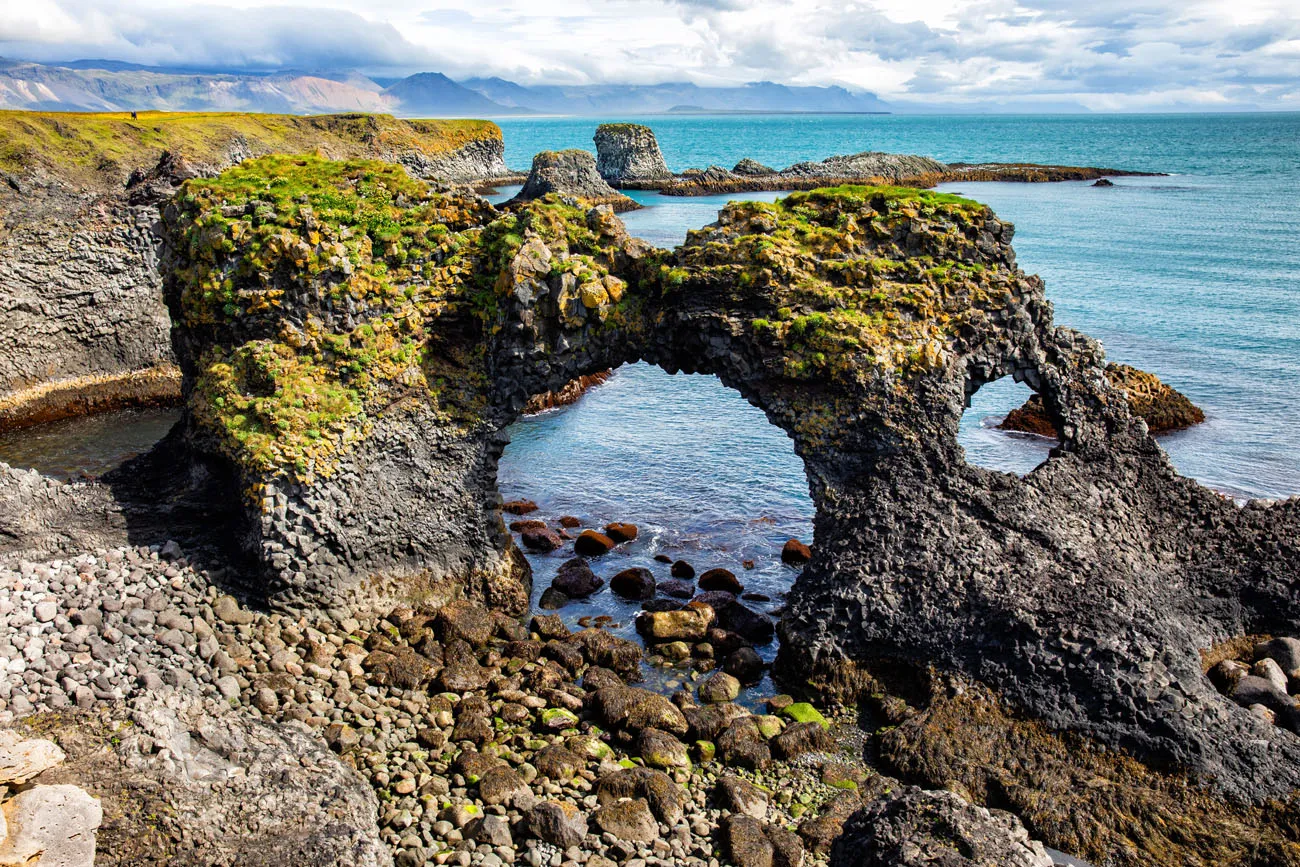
(1195, 276)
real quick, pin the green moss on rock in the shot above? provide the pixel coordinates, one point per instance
(856, 278)
(321, 289)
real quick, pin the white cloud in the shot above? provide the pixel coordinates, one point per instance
(1102, 53)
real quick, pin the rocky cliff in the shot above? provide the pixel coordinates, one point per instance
(353, 343)
(629, 152)
(82, 324)
(571, 173)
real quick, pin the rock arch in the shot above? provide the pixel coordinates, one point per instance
(352, 344)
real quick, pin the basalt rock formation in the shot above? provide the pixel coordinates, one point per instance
(752, 167)
(869, 164)
(1163, 408)
(82, 323)
(571, 173)
(186, 781)
(629, 152)
(352, 343)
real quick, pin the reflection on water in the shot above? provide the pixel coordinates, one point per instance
(91, 446)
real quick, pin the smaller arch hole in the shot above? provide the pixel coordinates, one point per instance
(1005, 428)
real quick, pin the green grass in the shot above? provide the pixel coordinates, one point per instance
(841, 295)
(98, 149)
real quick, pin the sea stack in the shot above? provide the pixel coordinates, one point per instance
(571, 173)
(629, 152)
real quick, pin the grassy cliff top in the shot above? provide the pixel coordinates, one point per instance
(317, 291)
(101, 149)
(856, 278)
(623, 127)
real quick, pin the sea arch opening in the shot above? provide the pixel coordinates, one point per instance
(708, 480)
(1005, 427)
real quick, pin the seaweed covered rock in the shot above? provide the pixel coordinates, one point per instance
(910, 827)
(629, 152)
(571, 173)
(1163, 408)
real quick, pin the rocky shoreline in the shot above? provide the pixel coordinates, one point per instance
(462, 736)
(628, 157)
(301, 626)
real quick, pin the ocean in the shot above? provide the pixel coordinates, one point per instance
(1194, 276)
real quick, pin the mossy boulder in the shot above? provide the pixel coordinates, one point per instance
(803, 712)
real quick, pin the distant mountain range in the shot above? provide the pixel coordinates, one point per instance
(105, 85)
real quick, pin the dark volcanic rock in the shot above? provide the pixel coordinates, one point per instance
(751, 625)
(720, 579)
(752, 168)
(636, 583)
(1160, 406)
(666, 798)
(636, 709)
(558, 823)
(592, 544)
(795, 552)
(621, 532)
(1059, 589)
(677, 589)
(571, 173)
(541, 539)
(629, 819)
(576, 580)
(629, 152)
(910, 826)
(872, 164)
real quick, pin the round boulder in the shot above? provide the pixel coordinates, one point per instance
(620, 532)
(592, 544)
(636, 583)
(721, 579)
(795, 553)
(576, 580)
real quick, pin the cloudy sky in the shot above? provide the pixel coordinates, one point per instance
(1102, 54)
